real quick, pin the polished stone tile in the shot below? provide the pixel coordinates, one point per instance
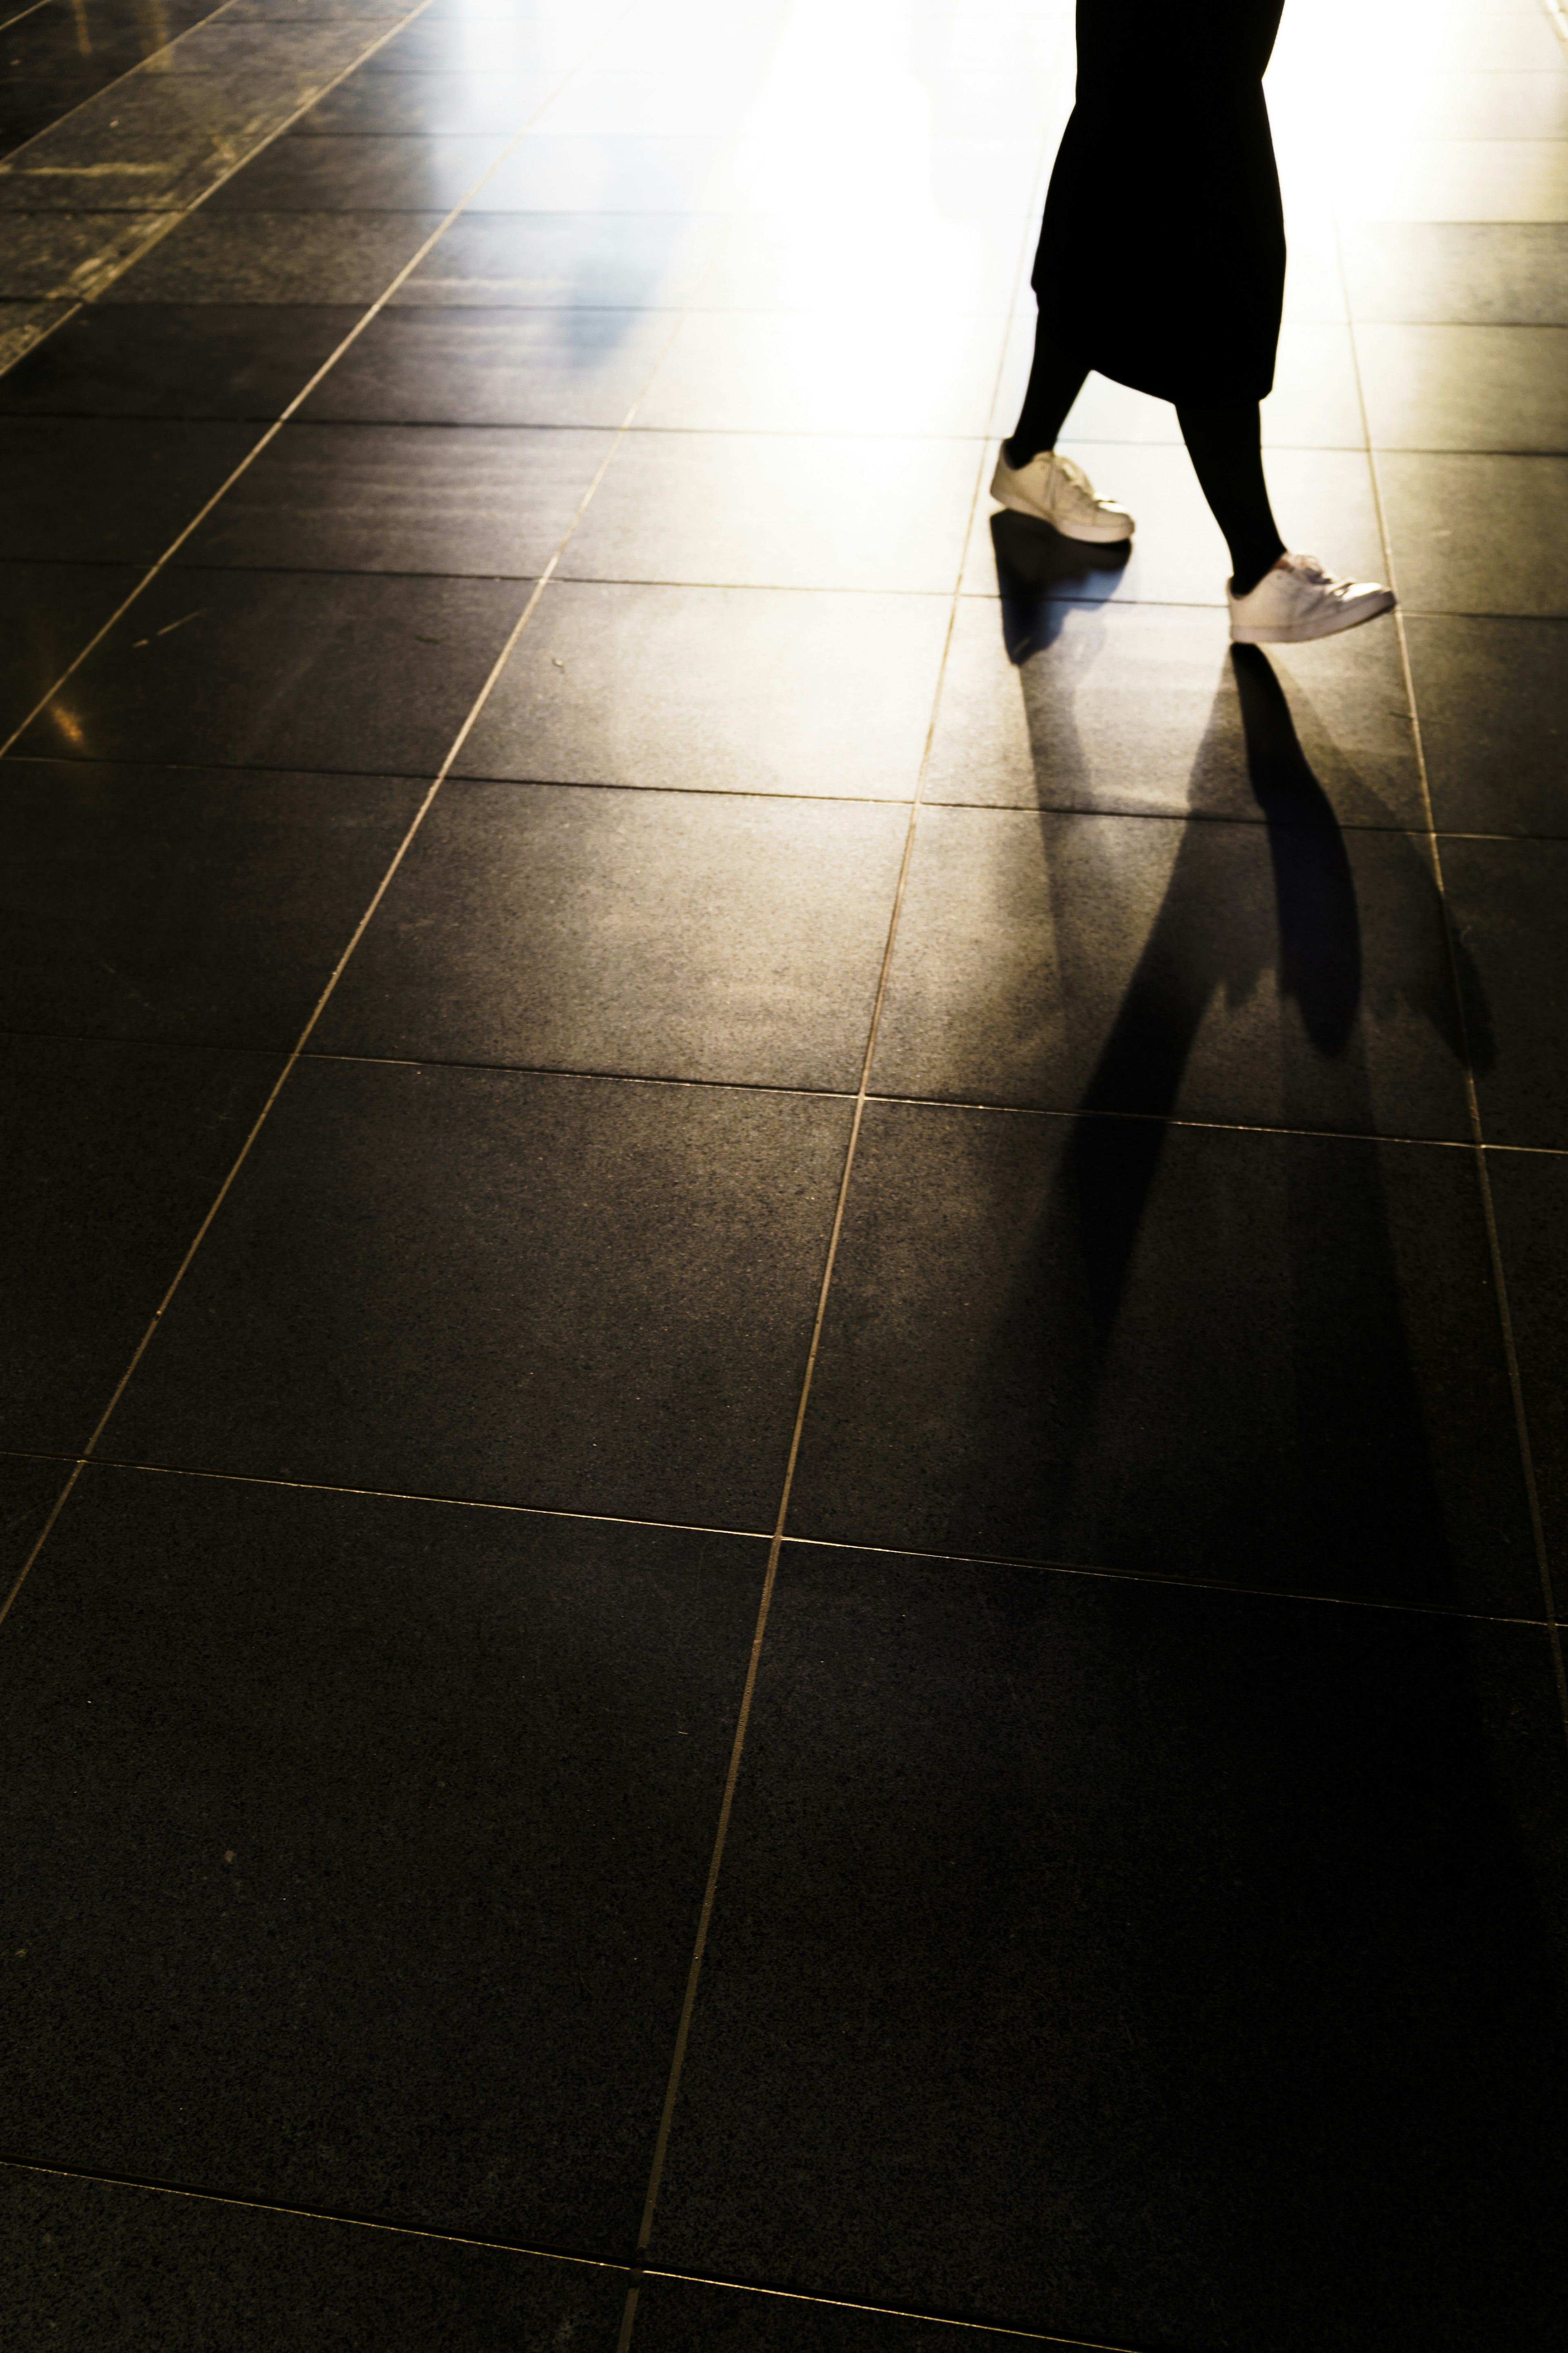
(157, 143)
(196, 359)
(1493, 700)
(1172, 1349)
(584, 1293)
(379, 175)
(1134, 708)
(29, 1485)
(692, 935)
(753, 510)
(71, 256)
(22, 324)
(100, 2263)
(400, 1827)
(272, 669)
(1459, 273)
(48, 612)
(1461, 180)
(818, 371)
(116, 1154)
(477, 103)
(1323, 499)
(703, 99)
(110, 490)
(427, 367)
(609, 174)
(815, 262)
(1283, 975)
(1466, 387)
(503, 45)
(1491, 106)
(1530, 1191)
(29, 106)
(301, 57)
(675, 2313)
(279, 258)
(208, 905)
(493, 501)
(1209, 1998)
(1473, 535)
(1506, 40)
(566, 260)
(717, 690)
(1506, 900)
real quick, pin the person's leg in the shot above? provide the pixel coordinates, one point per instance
(1056, 379)
(1225, 446)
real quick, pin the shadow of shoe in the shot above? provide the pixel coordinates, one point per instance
(1033, 560)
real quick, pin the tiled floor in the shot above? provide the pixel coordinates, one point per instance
(783, 1397)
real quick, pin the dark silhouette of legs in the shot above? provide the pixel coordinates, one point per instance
(1056, 379)
(1225, 446)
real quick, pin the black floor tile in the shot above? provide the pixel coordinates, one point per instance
(1506, 899)
(348, 174)
(204, 905)
(423, 367)
(1493, 701)
(562, 260)
(278, 258)
(1531, 1194)
(48, 612)
(669, 935)
(197, 360)
(1136, 708)
(97, 2264)
(28, 1487)
(277, 670)
(400, 1829)
(1266, 1358)
(1475, 534)
(64, 256)
(582, 1294)
(475, 103)
(1210, 1999)
(674, 2315)
(31, 103)
(1481, 273)
(110, 490)
(1287, 976)
(1465, 387)
(487, 499)
(721, 690)
(116, 1154)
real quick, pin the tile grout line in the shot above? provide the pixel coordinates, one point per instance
(1478, 1147)
(770, 1577)
(355, 331)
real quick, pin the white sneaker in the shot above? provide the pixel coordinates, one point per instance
(1057, 491)
(1298, 601)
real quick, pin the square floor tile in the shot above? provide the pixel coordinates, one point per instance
(108, 489)
(498, 45)
(610, 174)
(1478, 535)
(674, 2314)
(116, 1156)
(491, 500)
(306, 56)
(361, 174)
(101, 2259)
(584, 1293)
(692, 935)
(72, 256)
(717, 690)
(1323, 499)
(1285, 975)
(200, 360)
(278, 670)
(1493, 700)
(400, 1827)
(475, 102)
(1149, 1967)
(29, 1485)
(1506, 901)
(48, 612)
(1482, 273)
(566, 260)
(1460, 180)
(1490, 106)
(279, 258)
(815, 261)
(1135, 708)
(495, 367)
(1267, 1359)
(1466, 387)
(208, 905)
(750, 510)
(1530, 1191)
(818, 371)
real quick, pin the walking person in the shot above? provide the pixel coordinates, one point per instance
(1161, 265)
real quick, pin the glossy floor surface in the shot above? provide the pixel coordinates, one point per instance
(782, 1386)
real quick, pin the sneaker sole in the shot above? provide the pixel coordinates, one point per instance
(1101, 536)
(1323, 625)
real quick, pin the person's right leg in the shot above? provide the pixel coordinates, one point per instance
(1226, 450)
(1056, 379)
